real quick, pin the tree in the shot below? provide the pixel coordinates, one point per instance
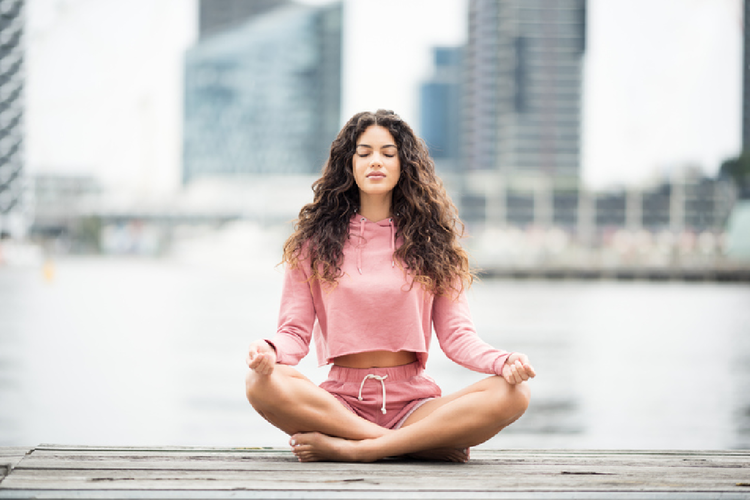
(738, 170)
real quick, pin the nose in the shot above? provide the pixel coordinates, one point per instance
(376, 161)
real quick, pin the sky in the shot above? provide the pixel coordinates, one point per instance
(662, 82)
(662, 87)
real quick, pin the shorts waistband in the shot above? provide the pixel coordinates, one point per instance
(394, 373)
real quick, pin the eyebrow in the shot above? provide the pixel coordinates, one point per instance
(368, 146)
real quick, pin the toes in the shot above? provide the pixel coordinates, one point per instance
(305, 456)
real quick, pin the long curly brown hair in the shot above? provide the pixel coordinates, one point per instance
(425, 216)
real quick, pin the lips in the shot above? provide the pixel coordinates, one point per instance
(376, 175)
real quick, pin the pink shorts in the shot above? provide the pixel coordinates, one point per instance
(385, 396)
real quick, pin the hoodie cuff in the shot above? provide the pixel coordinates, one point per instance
(275, 349)
(282, 358)
(273, 346)
(500, 362)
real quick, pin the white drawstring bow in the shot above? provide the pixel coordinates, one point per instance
(379, 379)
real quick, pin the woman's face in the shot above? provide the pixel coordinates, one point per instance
(375, 162)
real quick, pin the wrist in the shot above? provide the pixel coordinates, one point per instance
(269, 344)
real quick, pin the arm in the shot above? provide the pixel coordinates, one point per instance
(296, 319)
(459, 340)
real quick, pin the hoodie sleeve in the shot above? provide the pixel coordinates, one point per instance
(296, 318)
(458, 337)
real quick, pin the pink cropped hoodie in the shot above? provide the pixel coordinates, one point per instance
(374, 308)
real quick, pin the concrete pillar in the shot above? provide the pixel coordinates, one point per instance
(496, 200)
(543, 203)
(634, 210)
(677, 205)
(586, 217)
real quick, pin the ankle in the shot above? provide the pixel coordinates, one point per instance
(366, 450)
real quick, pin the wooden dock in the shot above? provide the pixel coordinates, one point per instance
(66, 472)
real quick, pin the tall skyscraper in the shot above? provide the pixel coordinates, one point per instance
(440, 109)
(12, 180)
(215, 16)
(521, 125)
(523, 86)
(264, 97)
(746, 81)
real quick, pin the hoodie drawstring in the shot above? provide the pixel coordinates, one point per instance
(379, 379)
(393, 243)
(359, 244)
(362, 221)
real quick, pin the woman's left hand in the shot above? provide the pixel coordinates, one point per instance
(517, 369)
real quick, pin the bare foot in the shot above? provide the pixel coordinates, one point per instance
(459, 455)
(317, 447)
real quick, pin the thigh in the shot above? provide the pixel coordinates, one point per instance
(284, 386)
(492, 383)
(293, 403)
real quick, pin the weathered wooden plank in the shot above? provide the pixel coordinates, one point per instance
(11, 451)
(159, 449)
(580, 474)
(357, 495)
(9, 457)
(467, 478)
(283, 460)
(105, 472)
(486, 452)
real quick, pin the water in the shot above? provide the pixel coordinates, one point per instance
(151, 352)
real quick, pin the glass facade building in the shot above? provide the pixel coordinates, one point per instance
(218, 15)
(12, 181)
(746, 78)
(264, 97)
(521, 112)
(440, 99)
(523, 86)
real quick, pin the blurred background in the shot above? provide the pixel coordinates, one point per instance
(154, 153)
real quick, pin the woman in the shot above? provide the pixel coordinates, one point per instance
(373, 266)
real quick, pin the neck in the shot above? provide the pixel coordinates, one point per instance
(375, 208)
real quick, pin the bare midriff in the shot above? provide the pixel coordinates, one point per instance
(375, 359)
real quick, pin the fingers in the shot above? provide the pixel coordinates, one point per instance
(252, 356)
(517, 372)
(514, 375)
(261, 362)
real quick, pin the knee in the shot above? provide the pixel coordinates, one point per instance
(512, 400)
(520, 397)
(256, 387)
(269, 391)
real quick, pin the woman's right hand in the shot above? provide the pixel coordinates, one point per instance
(261, 357)
(517, 369)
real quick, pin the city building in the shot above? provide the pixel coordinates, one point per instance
(440, 108)
(263, 97)
(521, 104)
(692, 203)
(746, 79)
(64, 210)
(14, 205)
(215, 16)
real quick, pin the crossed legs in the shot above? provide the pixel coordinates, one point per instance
(322, 429)
(294, 404)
